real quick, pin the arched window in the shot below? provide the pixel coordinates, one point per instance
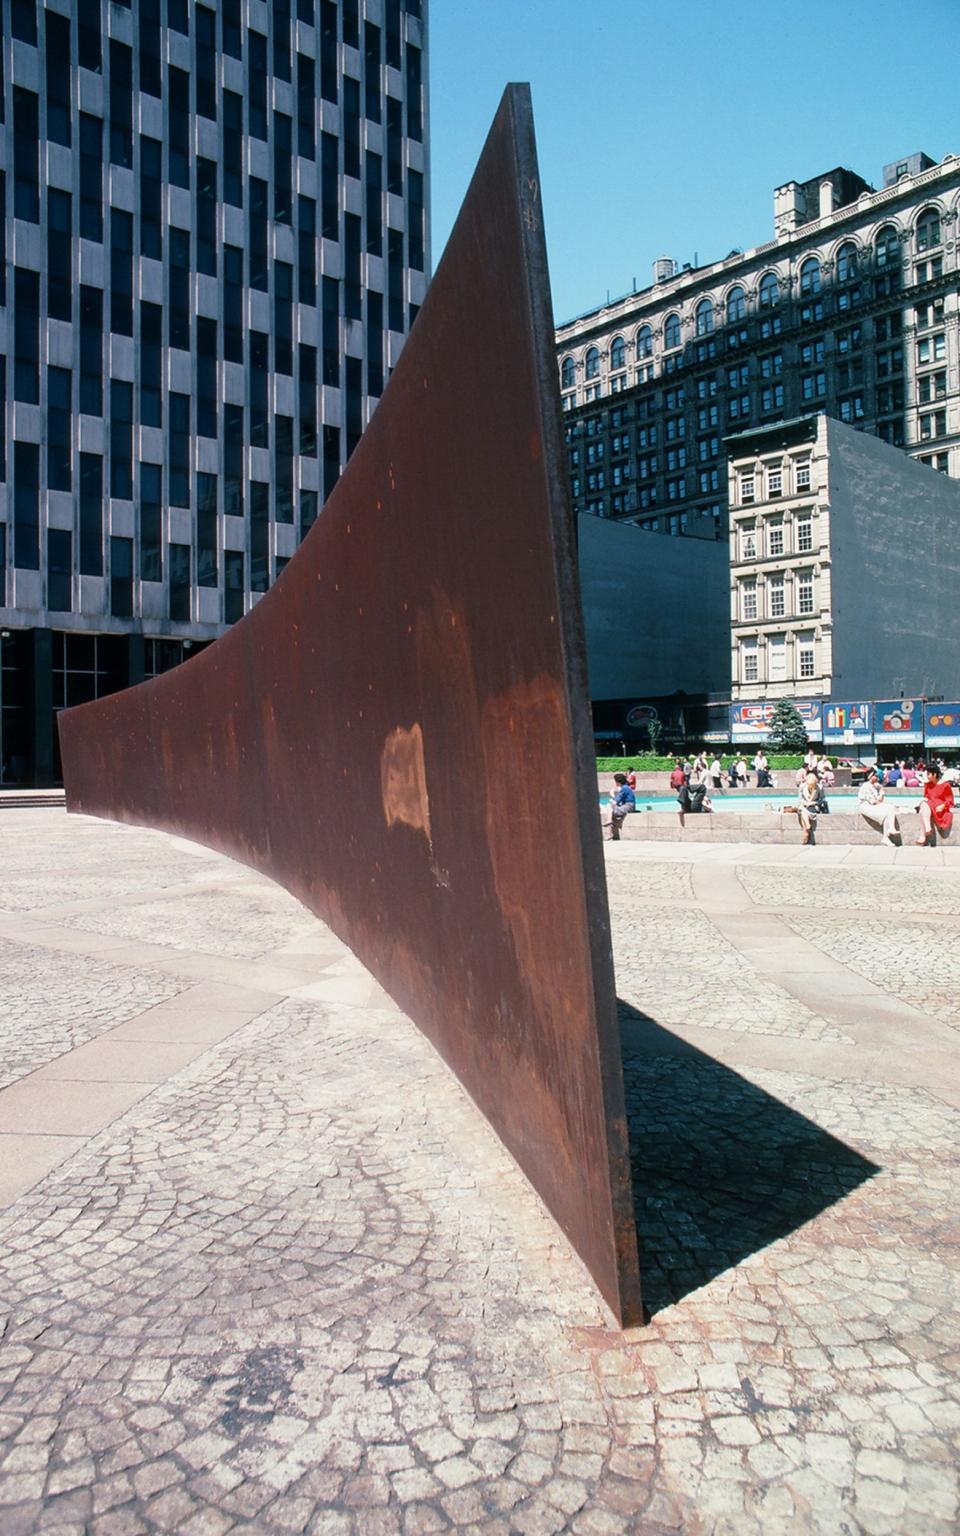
(644, 342)
(671, 332)
(810, 276)
(769, 290)
(593, 363)
(704, 317)
(847, 263)
(736, 305)
(568, 373)
(887, 247)
(618, 354)
(928, 229)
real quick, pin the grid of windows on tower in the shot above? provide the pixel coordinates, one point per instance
(227, 244)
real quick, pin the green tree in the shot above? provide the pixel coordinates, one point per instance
(787, 730)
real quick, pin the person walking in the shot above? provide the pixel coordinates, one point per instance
(624, 801)
(876, 810)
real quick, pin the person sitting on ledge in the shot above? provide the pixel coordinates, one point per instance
(875, 809)
(935, 809)
(624, 801)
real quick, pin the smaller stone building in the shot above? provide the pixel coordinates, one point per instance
(844, 566)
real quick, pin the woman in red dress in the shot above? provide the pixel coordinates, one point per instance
(935, 809)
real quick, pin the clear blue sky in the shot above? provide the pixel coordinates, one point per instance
(663, 126)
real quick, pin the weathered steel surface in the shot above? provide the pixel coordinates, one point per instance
(399, 733)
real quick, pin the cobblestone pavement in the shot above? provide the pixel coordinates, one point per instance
(292, 1283)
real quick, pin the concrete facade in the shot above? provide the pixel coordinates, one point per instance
(853, 308)
(217, 242)
(655, 617)
(844, 567)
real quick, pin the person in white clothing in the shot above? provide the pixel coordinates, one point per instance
(875, 809)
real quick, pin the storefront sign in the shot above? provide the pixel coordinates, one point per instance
(848, 724)
(941, 725)
(898, 720)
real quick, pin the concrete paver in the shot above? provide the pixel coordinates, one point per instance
(293, 1282)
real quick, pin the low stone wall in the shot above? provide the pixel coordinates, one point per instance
(725, 826)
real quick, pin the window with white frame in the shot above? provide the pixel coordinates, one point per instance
(803, 475)
(748, 599)
(775, 537)
(804, 534)
(747, 489)
(806, 656)
(749, 661)
(805, 592)
(776, 658)
(774, 481)
(748, 543)
(776, 599)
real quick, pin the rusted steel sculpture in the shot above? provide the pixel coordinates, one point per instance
(399, 732)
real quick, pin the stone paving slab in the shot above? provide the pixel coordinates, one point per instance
(298, 1286)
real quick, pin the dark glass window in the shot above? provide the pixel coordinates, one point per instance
(121, 104)
(374, 342)
(178, 16)
(23, 20)
(331, 459)
(392, 21)
(121, 439)
(372, 102)
(26, 506)
(259, 536)
(256, 85)
(178, 480)
(281, 39)
(414, 93)
(329, 53)
(89, 41)
(91, 177)
(26, 155)
(3, 420)
(207, 563)
(151, 365)
(59, 570)
(283, 468)
(307, 370)
(233, 585)
(178, 318)
(331, 331)
(178, 126)
(26, 317)
(179, 567)
(259, 380)
(329, 188)
(308, 512)
(205, 44)
(306, 107)
(59, 255)
(394, 146)
(283, 317)
(351, 127)
(282, 168)
(374, 201)
(151, 198)
(395, 279)
(351, 23)
(305, 11)
(232, 149)
(207, 217)
(58, 77)
(151, 522)
(233, 459)
(121, 272)
(231, 33)
(257, 240)
(233, 303)
(150, 71)
(91, 351)
(91, 514)
(207, 393)
(351, 279)
(59, 418)
(121, 578)
(354, 412)
(415, 219)
(3, 211)
(306, 250)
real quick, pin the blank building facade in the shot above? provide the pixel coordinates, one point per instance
(216, 242)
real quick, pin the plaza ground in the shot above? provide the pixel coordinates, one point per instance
(264, 1268)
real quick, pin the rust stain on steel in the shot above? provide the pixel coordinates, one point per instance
(399, 732)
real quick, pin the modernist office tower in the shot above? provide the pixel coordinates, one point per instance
(215, 245)
(853, 308)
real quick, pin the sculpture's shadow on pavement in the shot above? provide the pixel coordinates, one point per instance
(720, 1167)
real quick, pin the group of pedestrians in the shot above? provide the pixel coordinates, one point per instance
(935, 809)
